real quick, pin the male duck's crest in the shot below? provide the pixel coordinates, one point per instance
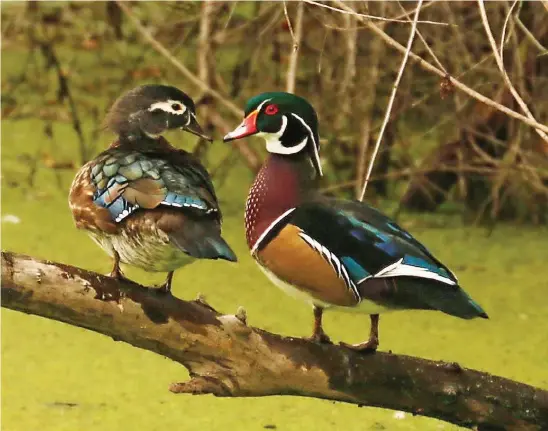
(288, 123)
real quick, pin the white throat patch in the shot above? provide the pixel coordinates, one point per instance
(168, 106)
(274, 145)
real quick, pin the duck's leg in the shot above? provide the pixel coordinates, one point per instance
(319, 336)
(166, 287)
(373, 342)
(116, 270)
(117, 274)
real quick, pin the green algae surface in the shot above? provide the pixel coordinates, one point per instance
(57, 377)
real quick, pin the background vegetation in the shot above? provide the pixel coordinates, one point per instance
(458, 161)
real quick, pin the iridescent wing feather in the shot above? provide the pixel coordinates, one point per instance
(127, 180)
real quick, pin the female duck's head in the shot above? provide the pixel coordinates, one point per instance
(151, 110)
(288, 124)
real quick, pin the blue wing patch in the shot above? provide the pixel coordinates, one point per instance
(368, 242)
(176, 200)
(368, 227)
(357, 272)
(422, 263)
(111, 199)
(394, 227)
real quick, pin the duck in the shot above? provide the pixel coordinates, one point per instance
(332, 253)
(144, 202)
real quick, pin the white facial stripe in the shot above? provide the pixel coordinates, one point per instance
(316, 152)
(273, 144)
(167, 107)
(268, 229)
(261, 105)
(189, 117)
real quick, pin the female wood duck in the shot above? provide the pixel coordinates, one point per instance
(331, 252)
(146, 203)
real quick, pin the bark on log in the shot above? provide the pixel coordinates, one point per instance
(226, 357)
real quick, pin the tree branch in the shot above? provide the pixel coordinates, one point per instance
(161, 49)
(430, 68)
(500, 64)
(296, 36)
(226, 357)
(392, 98)
(371, 17)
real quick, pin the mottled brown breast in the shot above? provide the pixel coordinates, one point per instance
(86, 214)
(292, 260)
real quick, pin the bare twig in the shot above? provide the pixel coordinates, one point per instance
(434, 56)
(411, 172)
(242, 146)
(322, 51)
(292, 68)
(376, 49)
(228, 358)
(430, 68)
(289, 26)
(347, 81)
(408, 13)
(503, 34)
(250, 156)
(369, 17)
(178, 65)
(505, 76)
(202, 61)
(203, 42)
(392, 98)
(543, 50)
(64, 92)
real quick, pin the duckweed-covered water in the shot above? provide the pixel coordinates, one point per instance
(56, 377)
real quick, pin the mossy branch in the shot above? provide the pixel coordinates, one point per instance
(226, 357)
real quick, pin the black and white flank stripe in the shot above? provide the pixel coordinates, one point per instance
(334, 261)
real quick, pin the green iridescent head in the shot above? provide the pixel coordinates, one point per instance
(288, 123)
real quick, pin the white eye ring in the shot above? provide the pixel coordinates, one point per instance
(168, 106)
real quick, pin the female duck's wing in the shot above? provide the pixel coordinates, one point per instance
(127, 180)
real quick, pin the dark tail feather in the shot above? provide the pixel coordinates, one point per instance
(223, 249)
(439, 296)
(196, 236)
(204, 247)
(421, 294)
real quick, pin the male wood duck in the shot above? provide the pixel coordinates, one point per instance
(331, 252)
(146, 203)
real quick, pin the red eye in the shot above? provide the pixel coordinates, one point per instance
(271, 110)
